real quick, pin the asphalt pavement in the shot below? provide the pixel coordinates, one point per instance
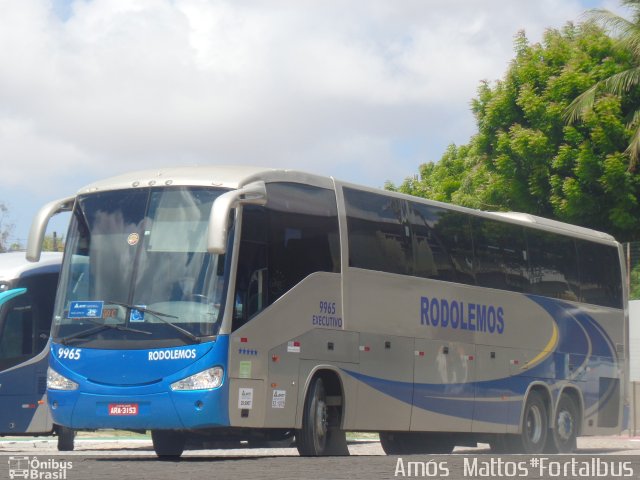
(107, 456)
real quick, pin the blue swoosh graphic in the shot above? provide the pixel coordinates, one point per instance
(583, 354)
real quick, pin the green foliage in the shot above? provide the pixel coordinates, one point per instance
(634, 289)
(619, 83)
(524, 157)
(53, 243)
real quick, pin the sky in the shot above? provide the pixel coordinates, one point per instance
(364, 91)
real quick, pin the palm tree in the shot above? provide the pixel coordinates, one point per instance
(628, 33)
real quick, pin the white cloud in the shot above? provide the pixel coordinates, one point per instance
(32, 156)
(327, 86)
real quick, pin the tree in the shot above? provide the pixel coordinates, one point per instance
(524, 157)
(53, 243)
(5, 228)
(618, 83)
(634, 287)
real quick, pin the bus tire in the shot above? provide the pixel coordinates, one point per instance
(168, 443)
(563, 436)
(66, 438)
(320, 433)
(392, 443)
(535, 425)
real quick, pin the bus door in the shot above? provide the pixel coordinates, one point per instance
(25, 320)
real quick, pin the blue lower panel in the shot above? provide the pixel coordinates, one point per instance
(19, 411)
(174, 410)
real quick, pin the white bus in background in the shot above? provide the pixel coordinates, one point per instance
(257, 304)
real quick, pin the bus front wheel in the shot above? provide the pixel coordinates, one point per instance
(535, 425)
(66, 438)
(168, 443)
(320, 433)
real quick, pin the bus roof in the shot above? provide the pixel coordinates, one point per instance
(224, 176)
(525, 219)
(234, 176)
(14, 264)
(554, 224)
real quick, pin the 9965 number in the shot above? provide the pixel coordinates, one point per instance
(70, 353)
(328, 307)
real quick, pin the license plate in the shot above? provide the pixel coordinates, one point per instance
(123, 409)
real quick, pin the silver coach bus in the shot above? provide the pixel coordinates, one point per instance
(313, 307)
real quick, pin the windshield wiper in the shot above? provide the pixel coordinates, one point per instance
(160, 316)
(100, 327)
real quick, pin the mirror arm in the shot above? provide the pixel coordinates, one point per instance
(251, 194)
(40, 222)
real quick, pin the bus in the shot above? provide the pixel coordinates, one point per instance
(27, 294)
(255, 304)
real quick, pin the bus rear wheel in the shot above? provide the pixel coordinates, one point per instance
(320, 433)
(563, 436)
(168, 443)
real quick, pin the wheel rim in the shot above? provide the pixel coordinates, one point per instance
(564, 425)
(534, 424)
(320, 422)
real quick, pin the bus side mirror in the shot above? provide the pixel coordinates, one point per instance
(40, 222)
(251, 194)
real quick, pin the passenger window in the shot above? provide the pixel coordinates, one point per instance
(303, 234)
(600, 276)
(454, 231)
(17, 327)
(442, 244)
(379, 232)
(501, 255)
(554, 265)
(42, 291)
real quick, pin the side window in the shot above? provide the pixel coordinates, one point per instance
(294, 235)
(303, 234)
(42, 291)
(554, 265)
(17, 327)
(250, 292)
(430, 252)
(454, 231)
(379, 232)
(600, 276)
(501, 255)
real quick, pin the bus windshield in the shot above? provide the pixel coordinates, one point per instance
(137, 273)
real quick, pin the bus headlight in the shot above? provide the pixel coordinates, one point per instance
(55, 381)
(205, 380)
